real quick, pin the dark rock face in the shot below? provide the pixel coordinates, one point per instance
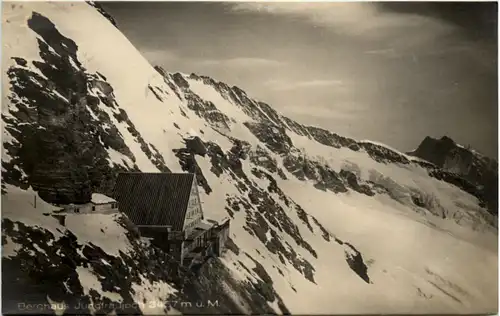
(470, 171)
(434, 150)
(33, 275)
(102, 11)
(55, 128)
(204, 109)
(188, 163)
(203, 292)
(261, 158)
(156, 93)
(180, 81)
(196, 146)
(304, 168)
(63, 187)
(160, 70)
(273, 136)
(207, 292)
(325, 234)
(271, 129)
(355, 261)
(383, 154)
(353, 183)
(263, 214)
(328, 138)
(61, 148)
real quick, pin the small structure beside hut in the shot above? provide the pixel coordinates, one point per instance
(103, 204)
(166, 208)
(99, 204)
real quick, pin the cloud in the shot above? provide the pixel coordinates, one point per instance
(240, 62)
(386, 52)
(391, 53)
(304, 112)
(159, 56)
(282, 85)
(358, 19)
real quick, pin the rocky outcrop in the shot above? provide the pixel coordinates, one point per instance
(328, 138)
(260, 157)
(66, 263)
(383, 154)
(61, 149)
(273, 136)
(101, 10)
(355, 261)
(435, 150)
(49, 267)
(271, 129)
(463, 167)
(196, 146)
(353, 182)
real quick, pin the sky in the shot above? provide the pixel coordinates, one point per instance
(391, 72)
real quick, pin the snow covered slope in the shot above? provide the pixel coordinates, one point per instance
(320, 223)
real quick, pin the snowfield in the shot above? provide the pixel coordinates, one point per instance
(319, 223)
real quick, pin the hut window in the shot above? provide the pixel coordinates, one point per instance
(93, 208)
(77, 210)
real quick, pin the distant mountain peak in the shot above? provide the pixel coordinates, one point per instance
(479, 169)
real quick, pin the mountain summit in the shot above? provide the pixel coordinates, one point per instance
(320, 223)
(476, 168)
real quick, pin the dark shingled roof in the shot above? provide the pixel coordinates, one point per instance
(154, 198)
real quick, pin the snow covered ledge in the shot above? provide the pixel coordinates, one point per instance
(99, 204)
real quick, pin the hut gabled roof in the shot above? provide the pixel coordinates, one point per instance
(159, 199)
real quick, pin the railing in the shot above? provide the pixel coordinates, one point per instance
(190, 247)
(209, 236)
(223, 226)
(176, 235)
(205, 235)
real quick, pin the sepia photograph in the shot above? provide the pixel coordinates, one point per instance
(249, 158)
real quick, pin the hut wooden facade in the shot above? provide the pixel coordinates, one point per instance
(166, 208)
